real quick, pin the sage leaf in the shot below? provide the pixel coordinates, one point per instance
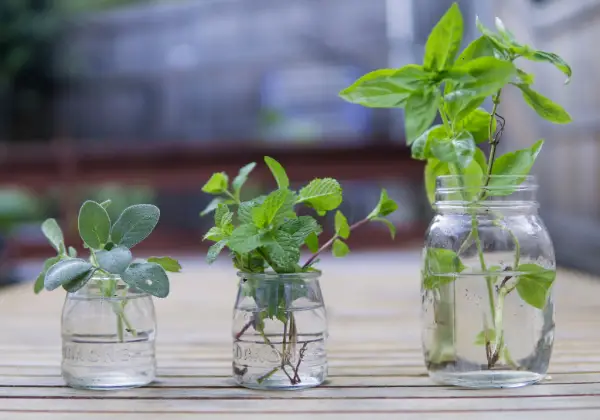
(245, 238)
(388, 223)
(321, 194)
(377, 89)
(434, 169)
(545, 108)
(444, 40)
(441, 267)
(557, 61)
(421, 147)
(514, 166)
(534, 284)
(217, 184)
(168, 263)
(39, 282)
(80, 281)
(340, 249)
(384, 207)
(214, 251)
(278, 172)
(458, 150)
(66, 271)
(278, 206)
(478, 124)
(242, 177)
(72, 252)
(94, 224)
(54, 234)
(282, 250)
(106, 203)
(420, 112)
(147, 277)
(301, 228)
(135, 224)
(342, 228)
(114, 261)
(312, 242)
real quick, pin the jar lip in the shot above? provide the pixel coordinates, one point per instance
(271, 276)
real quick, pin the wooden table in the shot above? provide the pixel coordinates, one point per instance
(376, 368)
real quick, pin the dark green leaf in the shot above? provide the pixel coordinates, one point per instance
(340, 249)
(168, 263)
(385, 206)
(94, 224)
(478, 124)
(109, 246)
(54, 234)
(516, 165)
(217, 184)
(66, 271)
(250, 263)
(245, 238)
(278, 206)
(552, 58)
(433, 170)
(420, 112)
(388, 223)
(214, 251)
(421, 147)
(135, 224)
(245, 209)
(312, 242)
(242, 177)
(322, 194)
(544, 107)
(79, 281)
(441, 267)
(39, 283)
(301, 228)
(282, 250)
(342, 228)
(147, 277)
(458, 150)
(278, 172)
(114, 261)
(72, 252)
(534, 286)
(377, 89)
(444, 41)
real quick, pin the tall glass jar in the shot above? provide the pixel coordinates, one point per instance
(487, 276)
(279, 331)
(108, 335)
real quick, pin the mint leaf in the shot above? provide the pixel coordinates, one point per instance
(301, 228)
(72, 252)
(534, 285)
(67, 271)
(557, 61)
(517, 164)
(223, 217)
(217, 184)
(278, 206)
(245, 238)
(94, 224)
(147, 277)
(484, 337)
(444, 41)
(433, 170)
(377, 89)
(341, 225)
(384, 207)
(214, 251)
(245, 209)
(312, 242)
(168, 263)
(420, 112)
(421, 147)
(278, 172)
(457, 150)
(340, 249)
(39, 282)
(478, 124)
(441, 267)
(214, 204)
(214, 234)
(545, 108)
(388, 223)
(135, 224)
(251, 262)
(282, 250)
(321, 194)
(114, 261)
(242, 177)
(53, 233)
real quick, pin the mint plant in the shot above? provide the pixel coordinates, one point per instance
(454, 85)
(265, 234)
(110, 256)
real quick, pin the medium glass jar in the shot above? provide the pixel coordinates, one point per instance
(108, 335)
(279, 331)
(487, 275)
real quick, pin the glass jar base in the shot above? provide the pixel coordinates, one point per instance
(487, 378)
(108, 382)
(283, 384)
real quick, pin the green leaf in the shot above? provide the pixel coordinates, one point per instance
(67, 271)
(481, 160)
(384, 207)
(388, 223)
(420, 112)
(109, 246)
(148, 277)
(441, 267)
(534, 285)
(79, 281)
(412, 77)
(421, 147)
(114, 261)
(217, 184)
(223, 220)
(377, 89)
(340, 249)
(278, 206)
(282, 250)
(135, 224)
(214, 251)
(524, 77)
(106, 203)
(245, 238)
(168, 263)
(544, 107)
(433, 170)
(517, 165)
(214, 204)
(72, 252)
(557, 61)
(301, 228)
(484, 337)
(250, 263)
(489, 75)
(473, 180)
(458, 150)
(94, 224)
(444, 41)
(478, 124)
(214, 234)
(342, 228)
(278, 172)
(321, 194)
(500, 44)
(481, 47)
(505, 33)
(39, 282)
(312, 242)
(242, 177)
(53, 233)
(245, 209)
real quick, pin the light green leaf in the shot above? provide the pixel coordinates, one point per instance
(473, 180)
(242, 177)
(245, 209)
(420, 112)
(223, 216)
(114, 261)
(67, 271)
(388, 223)
(217, 184)
(322, 194)
(384, 207)
(214, 234)
(534, 286)
(551, 58)
(433, 170)
(135, 224)
(312, 242)
(214, 204)
(481, 160)
(168, 263)
(282, 250)
(545, 107)
(278, 206)
(481, 47)
(106, 203)
(517, 165)
(444, 41)
(340, 249)
(489, 75)
(147, 277)
(500, 44)
(278, 172)
(53, 233)
(484, 337)
(441, 267)
(214, 251)
(412, 77)
(377, 89)
(72, 252)
(458, 150)
(94, 224)
(342, 228)
(524, 77)
(245, 238)
(421, 147)
(301, 228)
(39, 282)
(478, 124)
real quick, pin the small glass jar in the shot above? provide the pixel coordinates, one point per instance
(279, 331)
(487, 275)
(108, 336)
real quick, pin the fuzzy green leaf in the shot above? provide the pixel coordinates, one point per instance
(478, 124)
(114, 261)
(384, 207)
(301, 228)
(321, 194)
(79, 282)
(282, 250)
(340, 249)
(420, 112)
(217, 184)
(388, 223)
(433, 170)
(39, 282)
(67, 271)
(458, 150)
(441, 267)
(444, 41)
(214, 251)
(245, 238)
(242, 177)
(312, 242)
(545, 107)
(534, 286)
(557, 61)
(135, 224)
(342, 228)
(517, 164)
(168, 263)
(278, 206)
(421, 147)
(377, 89)
(147, 277)
(94, 224)
(54, 234)
(278, 172)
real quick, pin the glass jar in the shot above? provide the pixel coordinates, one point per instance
(108, 335)
(279, 331)
(487, 275)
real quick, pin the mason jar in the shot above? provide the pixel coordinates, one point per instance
(108, 336)
(279, 331)
(487, 276)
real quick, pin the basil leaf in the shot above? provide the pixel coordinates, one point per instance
(412, 77)
(534, 286)
(444, 41)
(478, 124)
(517, 164)
(557, 61)
(544, 107)
(433, 170)
(481, 160)
(420, 112)
(458, 150)
(94, 224)
(481, 47)
(421, 147)
(489, 75)
(278, 172)
(147, 277)
(377, 89)
(441, 267)
(135, 224)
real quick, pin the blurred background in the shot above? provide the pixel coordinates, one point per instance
(140, 101)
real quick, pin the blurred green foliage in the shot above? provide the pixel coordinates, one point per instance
(76, 6)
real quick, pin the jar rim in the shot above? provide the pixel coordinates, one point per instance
(272, 276)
